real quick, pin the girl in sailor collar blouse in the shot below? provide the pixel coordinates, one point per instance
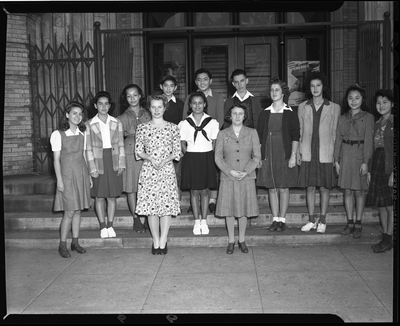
(237, 154)
(279, 133)
(318, 119)
(380, 177)
(198, 134)
(105, 153)
(353, 149)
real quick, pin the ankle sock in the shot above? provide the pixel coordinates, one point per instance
(212, 200)
(350, 222)
(322, 219)
(196, 222)
(109, 224)
(311, 218)
(358, 224)
(75, 240)
(102, 225)
(63, 244)
(282, 219)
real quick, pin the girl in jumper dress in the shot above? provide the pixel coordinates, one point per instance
(73, 181)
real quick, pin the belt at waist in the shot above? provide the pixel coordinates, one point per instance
(353, 142)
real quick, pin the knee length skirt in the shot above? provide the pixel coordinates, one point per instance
(198, 171)
(237, 198)
(108, 184)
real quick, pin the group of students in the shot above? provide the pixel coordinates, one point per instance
(221, 151)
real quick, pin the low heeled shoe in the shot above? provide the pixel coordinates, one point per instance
(230, 248)
(63, 251)
(77, 248)
(163, 251)
(243, 247)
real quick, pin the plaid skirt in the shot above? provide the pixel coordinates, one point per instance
(379, 193)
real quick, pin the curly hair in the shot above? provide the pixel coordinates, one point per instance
(64, 123)
(325, 84)
(124, 102)
(346, 107)
(197, 94)
(282, 84)
(93, 109)
(157, 97)
(237, 105)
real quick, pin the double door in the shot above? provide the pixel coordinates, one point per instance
(258, 56)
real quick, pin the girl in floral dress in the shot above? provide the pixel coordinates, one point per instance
(158, 144)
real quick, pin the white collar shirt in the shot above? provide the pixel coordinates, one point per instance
(207, 93)
(246, 96)
(105, 129)
(55, 138)
(285, 107)
(173, 98)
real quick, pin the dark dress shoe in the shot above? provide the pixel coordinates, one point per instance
(280, 227)
(357, 232)
(138, 226)
(77, 248)
(383, 247)
(349, 228)
(376, 245)
(273, 226)
(243, 247)
(231, 248)
(211, 207)
(163, 251)
(63, 251)
(154, 251)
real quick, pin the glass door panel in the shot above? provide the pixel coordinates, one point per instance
(214, 55)
(258, 56)
(169, 58)
(303, 55)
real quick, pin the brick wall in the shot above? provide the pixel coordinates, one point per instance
(17, 138)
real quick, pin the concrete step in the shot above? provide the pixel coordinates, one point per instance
(29, 184)
(45, 202)
(296, 216)
(183, 237)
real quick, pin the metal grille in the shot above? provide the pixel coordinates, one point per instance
(118, 59)
(60, 73)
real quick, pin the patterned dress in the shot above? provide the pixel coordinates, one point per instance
(157, 189)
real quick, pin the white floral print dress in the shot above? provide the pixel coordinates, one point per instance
(157, 189)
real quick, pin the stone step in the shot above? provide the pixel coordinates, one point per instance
(45, 202)
(29, 184)
(296, 216)
(183, 237)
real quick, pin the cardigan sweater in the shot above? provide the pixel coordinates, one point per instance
(327, 130)
(237, 153)
(290, 129)
(94, 145)
(174, 111)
